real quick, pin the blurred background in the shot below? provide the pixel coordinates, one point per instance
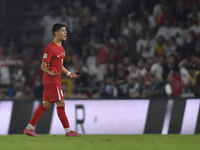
(121, 48)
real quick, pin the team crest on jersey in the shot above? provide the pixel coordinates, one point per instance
(45, 55)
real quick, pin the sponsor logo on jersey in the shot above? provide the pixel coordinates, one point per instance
(61, 54)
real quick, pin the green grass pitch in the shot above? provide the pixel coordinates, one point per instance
(100, 142)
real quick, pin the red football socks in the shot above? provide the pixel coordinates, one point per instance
(37, 114)
(62, 116)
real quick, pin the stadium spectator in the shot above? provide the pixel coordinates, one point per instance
(157, 9)
(72, 21)
(127, 64)
(192, 68)
(107, 87)
(146, 77)
(141, 69)
(135, 88)
(133, 24)
(112, 71)
(141, 44)
(155, 86)
(18, 78)
(47, 22)
(161, 47)
(114, 54)
(5, 71)
(150, 47)
(173, 84)
(167, 88)
(183, 71)
(192, 27)
(132, 45)
(148, 17)
(165, 30)
(15, 61)
(194, 13)
(91, 63)
(180, 34)
(171, 66)
(166, 14)
(191, 41)
(171, 48)
(157, 68)
(121, 89)
(102, 60)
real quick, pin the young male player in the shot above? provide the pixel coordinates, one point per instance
(52, 65)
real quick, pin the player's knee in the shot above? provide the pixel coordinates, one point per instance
(60, 103)
(46, 105)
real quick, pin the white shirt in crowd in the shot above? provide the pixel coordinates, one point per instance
(142, 71)
(168, 89)
(157, 10)
(71, 23)
(5, 72)
(184, 74)
(158, 69)
(165, 32)
(180, 40)
(126, 32)
(193, 28)
(152, 22)
(190, 15)
(19, 78)
(141, 42)
(137, 72)
(90, 66)
(137, 26)
(47, 22)
(16, 62)
(150, 53)
(170, 50)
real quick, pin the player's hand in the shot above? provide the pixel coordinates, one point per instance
(73, 75)
(54, 74)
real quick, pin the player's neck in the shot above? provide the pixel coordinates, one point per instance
(57, 41)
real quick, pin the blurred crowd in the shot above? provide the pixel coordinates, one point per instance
(121, 48)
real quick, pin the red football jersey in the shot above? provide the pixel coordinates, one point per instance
(54, 56)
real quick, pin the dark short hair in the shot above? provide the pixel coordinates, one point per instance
(56, 27)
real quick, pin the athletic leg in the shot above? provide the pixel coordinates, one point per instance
(62, 115)
(29, 130)
(39, 112)
(63, 118)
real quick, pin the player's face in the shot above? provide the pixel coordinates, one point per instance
(62, 34)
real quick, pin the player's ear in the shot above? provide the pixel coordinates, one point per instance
(56, 33)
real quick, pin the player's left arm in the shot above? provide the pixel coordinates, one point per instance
(72, 75)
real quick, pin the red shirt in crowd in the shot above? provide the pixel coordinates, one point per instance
(102, 53)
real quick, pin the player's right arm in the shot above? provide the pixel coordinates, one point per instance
(47, 56)
(45, 69)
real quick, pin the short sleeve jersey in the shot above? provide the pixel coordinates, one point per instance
(53, 55)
